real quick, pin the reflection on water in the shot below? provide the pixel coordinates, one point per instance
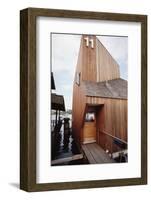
(63, 144)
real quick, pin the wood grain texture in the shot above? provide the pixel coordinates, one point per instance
(88, 69)
(144, 99)
(24, 165)
(28, 99)
(89, 132)
(112, 118)
(78, 110)
(96, 64)
(107, 67)
(95, 154)
(87, 15)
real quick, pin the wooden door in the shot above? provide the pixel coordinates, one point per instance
(89, 130)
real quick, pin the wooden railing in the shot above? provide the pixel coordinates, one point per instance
(109, 142)
(114, 137)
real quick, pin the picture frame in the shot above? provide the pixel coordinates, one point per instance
(28, 98)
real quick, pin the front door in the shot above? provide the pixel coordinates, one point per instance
(89, 128)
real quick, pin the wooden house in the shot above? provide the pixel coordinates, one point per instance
(99, 98)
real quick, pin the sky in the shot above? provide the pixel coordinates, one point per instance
(65, 50)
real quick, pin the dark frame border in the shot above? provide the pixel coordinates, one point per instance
(28, 98)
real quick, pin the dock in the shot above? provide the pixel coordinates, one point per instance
(95, 154)
(67, 159)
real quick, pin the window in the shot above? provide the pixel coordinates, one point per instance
(89, 41)
(90, 117)
(78, 78)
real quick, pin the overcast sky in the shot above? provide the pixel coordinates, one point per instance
(65, 49)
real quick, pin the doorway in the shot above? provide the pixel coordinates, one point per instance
(93, 122)
(89, 128)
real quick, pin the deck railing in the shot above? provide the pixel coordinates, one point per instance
(114, 137)
(110, 142)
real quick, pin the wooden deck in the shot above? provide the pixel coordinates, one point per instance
(95, 154)
(67, 159)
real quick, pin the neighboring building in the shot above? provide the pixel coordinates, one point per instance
(57, 103)
(99, 111)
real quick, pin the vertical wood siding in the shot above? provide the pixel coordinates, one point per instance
(78, 112)
(107, 67)
(96, 64)
(111, 119)
(89, 70)
(86, 66)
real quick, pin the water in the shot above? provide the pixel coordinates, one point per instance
(64, 146)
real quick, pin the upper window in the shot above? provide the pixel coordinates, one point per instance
(78, 78)
(89, 41)
(90, 117)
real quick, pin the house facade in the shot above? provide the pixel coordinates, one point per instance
(99, 111)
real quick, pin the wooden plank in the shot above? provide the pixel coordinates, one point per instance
(114, 137)
(95, 154)
(88, 154)
(105, 157)
(67, 159)
(89, 132)
(98, 156)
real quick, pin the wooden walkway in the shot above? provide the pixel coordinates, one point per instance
(67, 159)
(95, 154)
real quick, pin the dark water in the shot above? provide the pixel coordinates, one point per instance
(63, 146)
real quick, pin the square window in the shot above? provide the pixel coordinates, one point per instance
(78, 78)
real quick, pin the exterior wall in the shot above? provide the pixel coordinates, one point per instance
(111, 121)
(89, 70)
(96, 64)
(79, 99)
(86, 66)
(107, 67)
(78, 112)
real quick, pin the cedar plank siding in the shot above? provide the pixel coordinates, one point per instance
(89, 61)
(107, 67)
(111, 119)
(78, 110)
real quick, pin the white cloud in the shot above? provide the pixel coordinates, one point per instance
(65, 50)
